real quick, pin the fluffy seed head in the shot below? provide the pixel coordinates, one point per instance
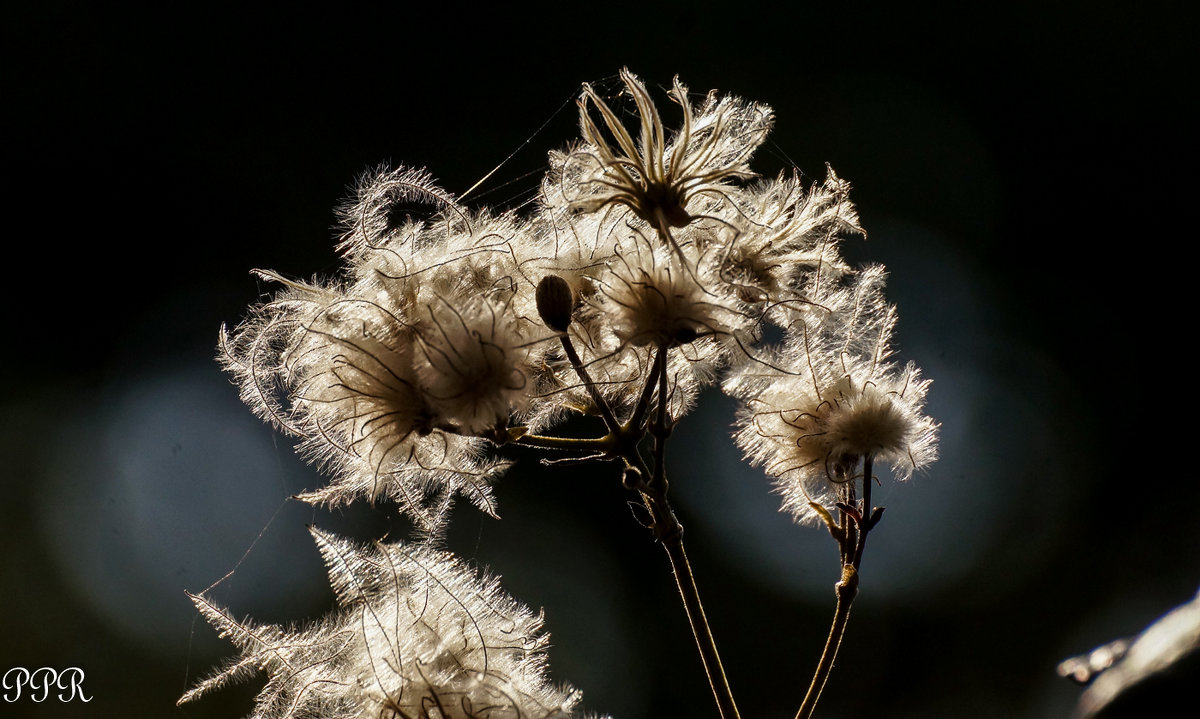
(657, 179)
(416, 634)
(812, 443)
(831, 399)
(471, 365)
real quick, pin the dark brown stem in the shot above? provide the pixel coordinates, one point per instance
(639, 412)
(853, 541)
(660, 427)
(867, 513)
(623, 441)
(610, 421)
(670, 533)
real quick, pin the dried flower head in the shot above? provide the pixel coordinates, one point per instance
(415, 634)
(655, 179)
(472, 363)
(648, 267)
(786, 249)
(391, 377)
(651, 301)
(839, 403)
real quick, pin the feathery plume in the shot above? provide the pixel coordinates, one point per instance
(415, 634)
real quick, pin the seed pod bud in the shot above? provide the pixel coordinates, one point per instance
(555, 302)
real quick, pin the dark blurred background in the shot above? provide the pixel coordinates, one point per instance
(1022, 170)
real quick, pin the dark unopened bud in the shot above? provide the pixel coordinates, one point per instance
(555, 302)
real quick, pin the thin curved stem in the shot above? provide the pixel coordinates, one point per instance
(846, 590)
(610, 420)
(705, 643)
(622, 441)
(606, 443)
(670, 534)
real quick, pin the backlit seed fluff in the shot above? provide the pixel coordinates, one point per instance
(416, 633)
(831, 399)
(472, 363)
(652, 299)
(655, 178)
(786, 252)
(647, 254)
(401, 375)
(341, 370)
(813, 442)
